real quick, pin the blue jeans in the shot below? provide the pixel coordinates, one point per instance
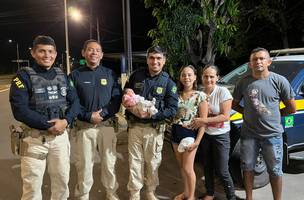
(271, 149)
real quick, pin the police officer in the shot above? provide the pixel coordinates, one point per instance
(146, 133)
(46, 104)
(100, 98)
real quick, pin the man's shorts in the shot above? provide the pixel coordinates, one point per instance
(179, 133)
(271, 149)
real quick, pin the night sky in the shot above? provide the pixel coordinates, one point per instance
(22, 20)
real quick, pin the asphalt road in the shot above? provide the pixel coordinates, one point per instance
(170, 181)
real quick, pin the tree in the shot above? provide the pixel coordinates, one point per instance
(194, 31)
(272, 12)
(277, 20)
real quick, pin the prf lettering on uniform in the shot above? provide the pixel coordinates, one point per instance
(18, 83)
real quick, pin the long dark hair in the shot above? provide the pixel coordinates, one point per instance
(180, 86)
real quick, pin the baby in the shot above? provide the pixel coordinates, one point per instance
(131, 99)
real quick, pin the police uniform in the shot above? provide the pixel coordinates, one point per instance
(145, 139)
(36, 96)
(97, 89)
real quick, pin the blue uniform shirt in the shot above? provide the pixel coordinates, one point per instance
(97, 89)
(20, 93)
(160, 87)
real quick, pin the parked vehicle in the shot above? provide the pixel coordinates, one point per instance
(291, 67)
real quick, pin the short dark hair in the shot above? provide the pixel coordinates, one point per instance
(87, 42)
(156, 49)
(258, 49)
(44, 40)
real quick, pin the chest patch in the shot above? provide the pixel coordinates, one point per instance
(159, 90)
(103, 81)
(63, 91)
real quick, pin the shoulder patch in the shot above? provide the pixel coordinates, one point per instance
(18, 83)
(174, 89)
(71, 83)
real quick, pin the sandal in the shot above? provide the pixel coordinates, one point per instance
(180, 197)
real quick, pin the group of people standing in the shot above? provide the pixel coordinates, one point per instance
(46, 102)
(257, 96)
(203, 115)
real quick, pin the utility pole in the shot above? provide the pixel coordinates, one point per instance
(66, 37)
(127, 33)
(91, 19)
(17, 53)
(18, 57)
(97, 29)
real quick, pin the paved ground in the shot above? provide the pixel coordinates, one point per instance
(170, 181)
(4, 82)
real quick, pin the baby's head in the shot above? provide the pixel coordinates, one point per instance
(129, 92)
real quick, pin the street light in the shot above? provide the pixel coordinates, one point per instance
(17, 51)
(76, 15)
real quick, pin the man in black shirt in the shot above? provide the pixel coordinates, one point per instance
(44, 101)
(100, 96)
(146, 131)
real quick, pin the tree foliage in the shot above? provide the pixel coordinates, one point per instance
(272, 24)
(273, 12)
(194, 31)
(279, 14)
